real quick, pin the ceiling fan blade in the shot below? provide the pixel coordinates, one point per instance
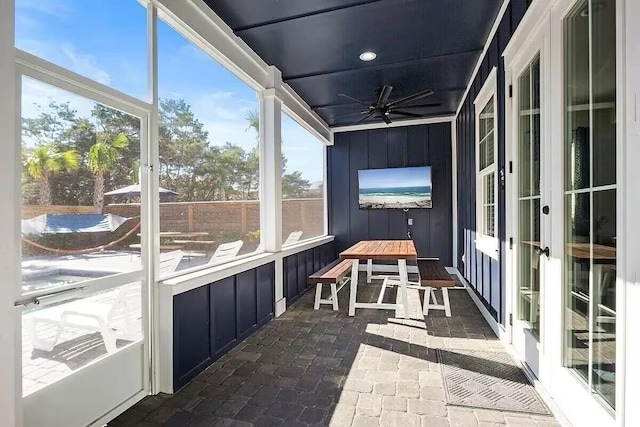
(364, 118)
(337, 107)
(405, 113)
(386, 119)
(433, 104)
(385, 92)
(353, 99)
(359, 113)
(411, 98)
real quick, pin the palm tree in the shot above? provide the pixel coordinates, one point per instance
(253, 119)
(103, 156)
(46, 160)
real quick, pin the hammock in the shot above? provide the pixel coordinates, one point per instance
(72, 223)
(82, 251)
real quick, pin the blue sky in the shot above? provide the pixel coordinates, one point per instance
(105, 40)
(394, 177)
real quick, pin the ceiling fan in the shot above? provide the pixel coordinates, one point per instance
(383, 109)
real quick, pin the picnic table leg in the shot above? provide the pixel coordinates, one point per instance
(354, 287)
(369, 270)
(404, 278)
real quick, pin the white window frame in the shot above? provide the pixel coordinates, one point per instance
(325, 229)
(485, 243)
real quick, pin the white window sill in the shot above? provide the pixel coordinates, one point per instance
(306, 244)
(488, 246)
(195, 279)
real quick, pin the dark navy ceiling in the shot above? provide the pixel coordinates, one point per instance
(421, 44)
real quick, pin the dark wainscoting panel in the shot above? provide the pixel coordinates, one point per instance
(298, 267)
(210, 320)
(485, 274)
(424, 145)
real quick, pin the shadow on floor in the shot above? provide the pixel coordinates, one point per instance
(320, 367)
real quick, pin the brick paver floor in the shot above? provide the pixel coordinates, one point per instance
(322, 367)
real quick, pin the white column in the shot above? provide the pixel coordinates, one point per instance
(159, 364)
(10, 169)
(271, 177)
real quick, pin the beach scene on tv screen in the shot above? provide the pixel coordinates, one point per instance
(400, 188)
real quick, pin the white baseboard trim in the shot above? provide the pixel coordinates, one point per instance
(281, 307)
(500, 332)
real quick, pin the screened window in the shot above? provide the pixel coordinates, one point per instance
(209, 156)
(302, 183)
(487, 170)
(105, 41)
(486, 167)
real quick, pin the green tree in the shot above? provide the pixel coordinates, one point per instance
(294, 186)
(253, 120)
(46, 160)
(103, 156)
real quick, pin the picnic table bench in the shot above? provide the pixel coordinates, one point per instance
(434, 275)
(331, 274)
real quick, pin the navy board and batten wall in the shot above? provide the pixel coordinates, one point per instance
(485, 274)
(210, 320)
(406, 146)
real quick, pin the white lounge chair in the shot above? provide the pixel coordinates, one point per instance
(114, 317)
(226, 251)
(294, 236)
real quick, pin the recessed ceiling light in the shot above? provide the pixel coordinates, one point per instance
(367, 56)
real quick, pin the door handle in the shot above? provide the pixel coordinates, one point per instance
(544, 251)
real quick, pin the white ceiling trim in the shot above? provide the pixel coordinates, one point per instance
(492, 33)
(401, 123)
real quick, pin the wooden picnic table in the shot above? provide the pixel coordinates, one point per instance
(381, 250)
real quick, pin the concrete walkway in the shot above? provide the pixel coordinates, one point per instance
(324, 368)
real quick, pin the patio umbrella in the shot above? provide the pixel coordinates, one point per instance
(134, 191)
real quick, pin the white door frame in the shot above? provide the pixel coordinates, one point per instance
(39, 408)
(536, 44)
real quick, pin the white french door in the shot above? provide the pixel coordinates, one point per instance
(83, 310)
(562, 209)
(529, 198)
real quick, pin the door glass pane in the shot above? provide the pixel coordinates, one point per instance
(524, 129)
(604, 92)
(529, 212)
(590, 162)
(577, 99)
(59, 339)
(577, 265)
(529, 204)
(75, 152)
(604, 290)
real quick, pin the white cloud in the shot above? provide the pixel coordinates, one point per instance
(66, 55)
(84, 64)
(54, 8)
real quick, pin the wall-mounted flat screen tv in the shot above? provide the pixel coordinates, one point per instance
(396, 188)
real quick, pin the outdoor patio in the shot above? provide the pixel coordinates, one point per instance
(323, 367)
(76, 348)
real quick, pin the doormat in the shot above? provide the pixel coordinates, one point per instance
(489, 380)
